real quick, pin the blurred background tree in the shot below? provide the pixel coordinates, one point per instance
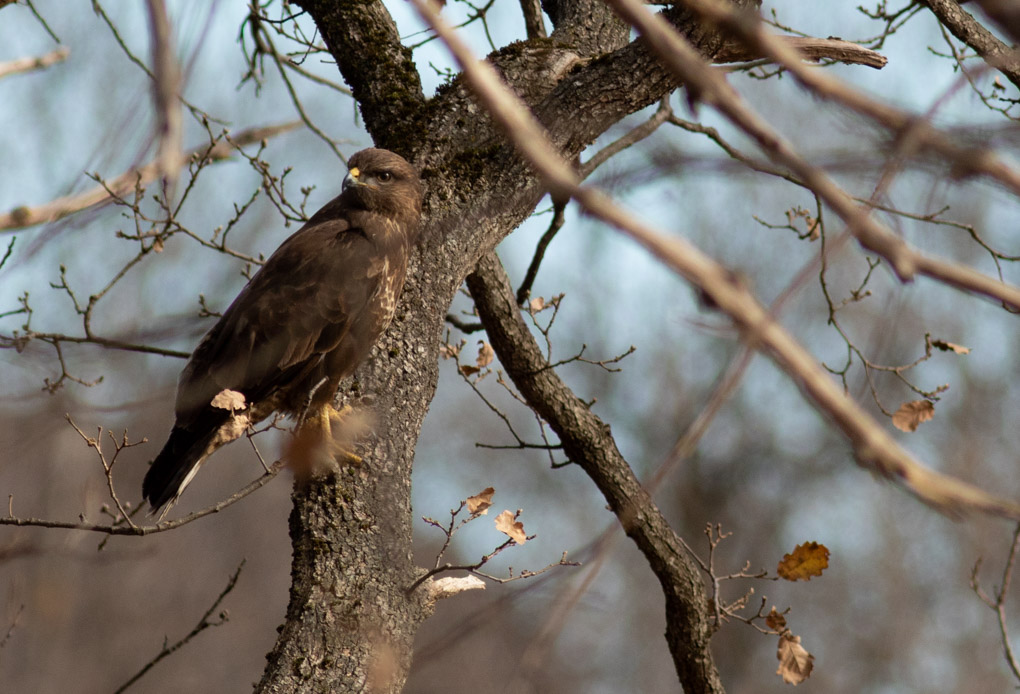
(102, 296)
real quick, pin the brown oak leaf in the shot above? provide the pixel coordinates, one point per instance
(806, 560)
(911, 414)
(485, 354)
(478, 505)
(775, 621)
(795, 663)
(508, 524)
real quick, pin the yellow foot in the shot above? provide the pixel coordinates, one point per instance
(324, 440)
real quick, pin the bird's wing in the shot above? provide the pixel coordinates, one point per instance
(297, 307)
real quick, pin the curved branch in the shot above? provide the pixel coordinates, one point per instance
(588, 442)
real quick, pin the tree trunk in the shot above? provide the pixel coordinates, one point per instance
(351, 623)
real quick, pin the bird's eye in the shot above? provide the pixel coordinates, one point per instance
(385, 176)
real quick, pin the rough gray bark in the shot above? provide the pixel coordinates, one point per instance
(351, 623)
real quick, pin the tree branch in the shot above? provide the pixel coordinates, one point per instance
(587, 441)
(533, 24)
(379, 69)
(124, 184)
(688, 66)
(812, 49)
(923, 137)
(14, 67)
(203, 624)
(139, 530)
(874, 446)
(970, 31)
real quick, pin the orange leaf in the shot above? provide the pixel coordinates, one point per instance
(508, 524)
(911, 414)
(478, 505)
(809, 559)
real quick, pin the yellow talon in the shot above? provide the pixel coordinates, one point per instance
(324, 440)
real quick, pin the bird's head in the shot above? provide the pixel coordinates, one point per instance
(380, 181)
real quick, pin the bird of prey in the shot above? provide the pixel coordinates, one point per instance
(305, 321)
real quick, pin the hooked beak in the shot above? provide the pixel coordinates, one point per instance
(351, 179)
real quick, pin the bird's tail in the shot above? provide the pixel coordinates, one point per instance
(175, 466)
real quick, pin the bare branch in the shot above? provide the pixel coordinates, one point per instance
(661, 115)
(971, 32)
(141, 530)
(21, 217)
(203, 624)
(875, 448)
(998, 603)
(166, 86)
(688, 66)
(524, 291)
(12, 627)
(13, 67)
(533, 23)
(811, 49)
(678, 55)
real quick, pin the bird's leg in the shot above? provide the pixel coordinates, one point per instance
(323, 431)
(308, 401)
(345, 432)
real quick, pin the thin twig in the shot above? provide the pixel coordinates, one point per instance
(163, 526)
(13, 67)
(203, 624)
(998, 603)
(123, 184)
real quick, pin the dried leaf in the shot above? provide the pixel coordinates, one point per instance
(807, 560)
(485, 354)
(911, 414)
(795, 663)
(508, 524)
(775, 621)
(478, 505)
(157, 245)
(950, 347)
(537, 304)
(468, 370)
(229, 400)
(448, 350)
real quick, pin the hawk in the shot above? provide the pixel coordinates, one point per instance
(305, 321)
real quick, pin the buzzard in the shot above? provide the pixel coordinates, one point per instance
(306, 320)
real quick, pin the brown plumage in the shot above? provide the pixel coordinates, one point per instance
(306, 319)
